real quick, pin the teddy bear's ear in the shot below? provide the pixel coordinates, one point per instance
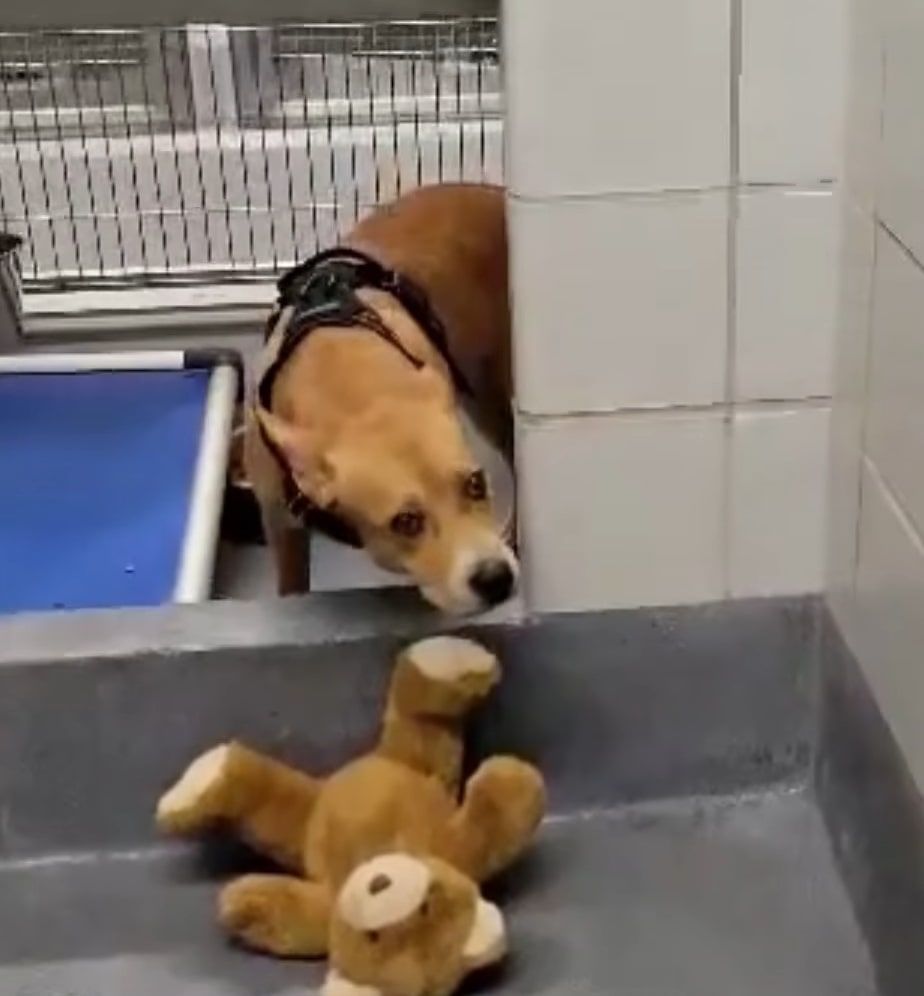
(487, 942)
(336, 985)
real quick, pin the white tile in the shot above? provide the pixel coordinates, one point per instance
(787, 294)
(901, 190)
(621, 511)
(777, 508)
(888, 630)
(616, 95)
(793, 86)
(865, 82)
(619, 302)
(850, 376)
(895, 419)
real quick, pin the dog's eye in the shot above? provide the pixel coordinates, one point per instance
(409, 523)
(475, 486)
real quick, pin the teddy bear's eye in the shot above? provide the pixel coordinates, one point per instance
(373, 935)
(425, 909)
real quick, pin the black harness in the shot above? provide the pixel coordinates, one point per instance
(323, 293)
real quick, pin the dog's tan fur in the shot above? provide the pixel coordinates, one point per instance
(366, 432)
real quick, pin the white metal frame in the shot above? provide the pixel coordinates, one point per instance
(200, 544)
(188, 314)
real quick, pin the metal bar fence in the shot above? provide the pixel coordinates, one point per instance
(209, 152)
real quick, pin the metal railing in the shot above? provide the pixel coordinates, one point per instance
(214, 152)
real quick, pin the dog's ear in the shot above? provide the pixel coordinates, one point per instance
(287, 438)
(300, 453)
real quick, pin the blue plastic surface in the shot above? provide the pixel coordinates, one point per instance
(96, 473)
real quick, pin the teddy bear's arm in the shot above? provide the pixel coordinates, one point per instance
(501, 810)
(435, 684)
(264, 802)
(283, 916)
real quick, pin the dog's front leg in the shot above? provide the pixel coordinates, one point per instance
(285, 538)
(290, 550)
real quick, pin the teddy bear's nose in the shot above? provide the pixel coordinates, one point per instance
(379, 884)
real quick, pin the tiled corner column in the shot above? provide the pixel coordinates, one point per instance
(876, 548)
(790, 105)
(673, 285)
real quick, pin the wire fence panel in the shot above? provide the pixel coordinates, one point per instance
(209, 152)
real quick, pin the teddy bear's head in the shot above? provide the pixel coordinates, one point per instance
(406, 926)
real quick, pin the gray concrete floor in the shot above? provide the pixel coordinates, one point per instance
(247, 572)
(727, 897)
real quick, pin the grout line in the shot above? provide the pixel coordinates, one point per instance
(896, 505)
(905, 249)
(824, 186)
(864, 417)
(757, 406)
(731, 271)
(807, 187)
(722, 408)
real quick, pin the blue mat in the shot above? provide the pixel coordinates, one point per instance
(96, 473)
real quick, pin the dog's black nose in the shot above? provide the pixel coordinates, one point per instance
(492, 581)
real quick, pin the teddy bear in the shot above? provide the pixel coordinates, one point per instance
(381, 862)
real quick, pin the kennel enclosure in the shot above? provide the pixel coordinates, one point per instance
(211, 152)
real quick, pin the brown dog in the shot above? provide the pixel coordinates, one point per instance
(355, 430)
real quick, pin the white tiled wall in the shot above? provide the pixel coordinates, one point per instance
(887, 623)
(626, 302)
(787, 294)
(857, 257)
(792, 90)
(895, 389)
(863, 119)
(622, 510)
(608, 95)
(876, 522)
(900, 200)
(779, 477)
(673, 234)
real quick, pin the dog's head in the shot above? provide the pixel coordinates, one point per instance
(403, 475)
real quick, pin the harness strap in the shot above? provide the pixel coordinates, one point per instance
(323, 293)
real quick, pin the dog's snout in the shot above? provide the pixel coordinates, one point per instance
(492, 581)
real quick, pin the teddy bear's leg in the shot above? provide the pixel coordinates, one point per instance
(266, 803)
(502, 807)
(435, 684)
(283, 916)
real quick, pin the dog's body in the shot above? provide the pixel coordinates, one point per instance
(365, 422)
